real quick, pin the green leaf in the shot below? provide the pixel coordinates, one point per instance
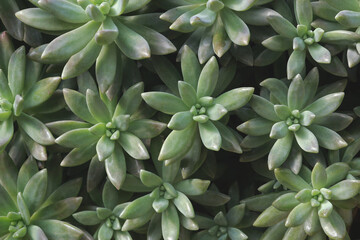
(307, 140)
(35, 190)
(184, 205)
(205, 18)
(68, 44)
(158, 43)
(296, 93)
(77, 104)
(192, 187)
(298, 215)
(77, 138)
(256, 127)
(236, 234)
(230, 140)
(149, 179)
(235, 214)
(133, 184)
(24, 211)
(133, 146)
(16, 71)
(132, 44)
(115, 166)
(328, 138)
(59, 210)
(178, 143)
(210, 136)
(349, 19)
(87, 218)
(59, 230)
(106, 64)
(40, 19)
(264, 108)
(35, 129)
(216, 112)
(290, 180)
(66, 190)
(326, 105)
(277, 43)
(41, 91)
(277, 88)
(280, 151)
(170, 223)
(5, 91)
(182, 23)
(134, 5)
(282, 26)
(319, 53)
(236, 28)
(208, 78)
(36, 233)
(130, 100)
(325, 209)
(164, 102)
(345, 189)
(312, 223)
(318, 176)
(279, 130)
(6, 132)
(303, 11)
(79, 156)
(344, 5)
(336, 172)
(296, 63)
(65, 10)
(138, 207)
(333, 226)
(97, 107)
(187, 93)
(107, 33)
(286, 202)
(180, 120)
(146, 128)
(270, 217)
(81, 61)
(104, 148)
(190, 67)
(235, 98)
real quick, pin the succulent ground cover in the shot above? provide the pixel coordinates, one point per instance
(179, 119)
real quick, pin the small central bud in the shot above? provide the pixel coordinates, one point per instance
(17, 228)
(318, 196)
(114, 223)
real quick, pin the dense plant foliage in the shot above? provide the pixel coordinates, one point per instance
(179, 119)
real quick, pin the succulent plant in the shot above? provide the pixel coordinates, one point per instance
(108, 128)
(196, 114)
(297, 118)
(313, 207)
(32, 206)
(167, 206)
(106, 217)
(302, 38)
(22, 93)
(94, 30)
(219, 23)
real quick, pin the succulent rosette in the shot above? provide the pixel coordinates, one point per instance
(223, 226)
(166, 206)
(302, 38)
(33, 203)
(106, 217)
(22, 94)
(92, 31)
(294, 119)
(196, 114)
(332, 16)
(217, 24)
(105, 130)
(315, 206)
